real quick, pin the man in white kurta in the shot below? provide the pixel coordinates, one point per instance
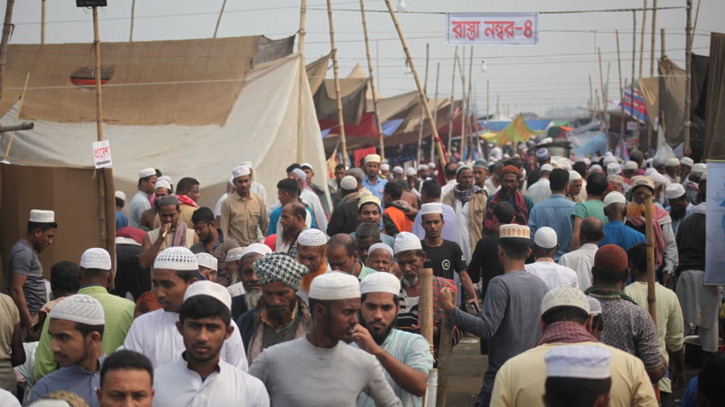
(554, 275)
(582, 259)
(155, 334)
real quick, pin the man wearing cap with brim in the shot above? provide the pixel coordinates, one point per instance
(555, 211)
(172, 232)
(311, 253)
(469, 203)
(26, 284)
(373, 182)
(155, 334)
(510, 311)
(94, 279)
(244, 214)
(666, 258)
(149, 216)
(280, 316)
(405, 356)
(539, 191)
(76, 325)
(545, 267)
(680, 207)
(369, 210)
(672, 171)
(627, 326)
(345, 218)
(140, 202)
(121, 219)
(509, 192)
(200, 375)
(247, 291)
(321, 369)
(615, 231)
(381, 258)
(213, 242)
(566, 322)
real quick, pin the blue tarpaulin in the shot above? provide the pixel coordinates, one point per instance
(498, 125)
(598, 142)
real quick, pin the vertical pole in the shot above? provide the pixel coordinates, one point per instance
(372, 81)
(464, 97)
(591, 96)
(435, 113)
(634, 56)
(488, 102)
(604, 99)
(133, 14)
(444, 360)
(498, 112)
(7, 26)
(663, 49)
(621, 92)
(451, 115)
(420, 121)
(219, 20)
(654, 33)
(302, 78)
(468, 106)
(688, 77)
(99, 122)
(641, 43)
(17, 116)
(42, 21)
(649, 224)
(336, 71)
(377, 61)
(697, 17)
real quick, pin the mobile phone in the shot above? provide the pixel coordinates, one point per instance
(473, 308)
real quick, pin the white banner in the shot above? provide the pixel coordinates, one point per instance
(102, 154)
(493, 29)
(714, 253)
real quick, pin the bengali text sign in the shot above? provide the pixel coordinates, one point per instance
(493, 29)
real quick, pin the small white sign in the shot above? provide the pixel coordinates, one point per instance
(631, 126)
(493, 29)
(102, 154)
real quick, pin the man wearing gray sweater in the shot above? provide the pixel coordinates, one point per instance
(321, 369)
(509, 319)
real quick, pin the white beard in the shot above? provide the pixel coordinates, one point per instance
(252, 299)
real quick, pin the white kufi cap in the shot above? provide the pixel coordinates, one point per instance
(398, 170)
(96, 258)
(256, 248)
(41, 216)
(146, 172)
(410, 171)
(79, 308)
(514, 232)
(564, 297)
(247, 164)
(672, 162)
(120, 195)
(240, 171)
(614, 169)
(207, 260)
(176, 258)
(574, 176)
(429, 208)
(675, 191)
(406, 241)
(385, 167)
(687, 161)
(699, 168)
(547, 167)
(335, 285)
(545, 238)
(381, 246)
(594, 168)
(162, 184)
(306, 165)
(380, 283)
(595, 307)
(214, 290)
(348, 183)
(235, 254)
(614, 197)
(578, 362)
(609, 159)
(312, 238)
(630, 165)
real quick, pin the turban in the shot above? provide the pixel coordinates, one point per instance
(280, 267)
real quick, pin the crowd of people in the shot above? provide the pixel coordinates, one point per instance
(313, 299)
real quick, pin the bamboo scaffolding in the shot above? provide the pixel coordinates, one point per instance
(336, 72)
(453, 102)
(435, 112)
(420, 121)
(372, 81)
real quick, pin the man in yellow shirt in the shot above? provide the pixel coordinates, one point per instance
(565, 321)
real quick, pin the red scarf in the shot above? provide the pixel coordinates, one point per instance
(521, 213)
(185, 200)
(565, 332)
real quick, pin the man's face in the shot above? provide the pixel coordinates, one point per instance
(67, 343)
(673, 171)
(617, 186)
(338, 259)
(342, 318)
(684, 170)
(280, 301)
(432, 224)
(363, 245)
(678, 207)
(43, 239)
(639, 194)
(378, 315)
(380, 260)
(372, 169)
(203, 230)
(339, 174)
(126, 388)
(309, 174)
(284, 197)
(169, 214)
(248, 275)
(310, 257)
(479, 176)
(169, 289)
(160, 193)
(204, 337)
(410, 264)
(575, 187)
(465, 179)
(232, 268)
(423, 173)
(241, 184)
(289, 221)
(509, 183)
(369, 213)
(148, 186)
(193, 193)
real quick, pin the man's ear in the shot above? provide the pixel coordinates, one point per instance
(178, 327)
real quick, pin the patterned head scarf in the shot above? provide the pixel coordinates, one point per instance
(280, 267)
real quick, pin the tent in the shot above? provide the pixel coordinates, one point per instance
(517, 131)
(189, 108)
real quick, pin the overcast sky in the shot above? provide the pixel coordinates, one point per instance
(532, 78)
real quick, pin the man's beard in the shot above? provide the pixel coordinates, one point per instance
(411, 281)
(677, 214)
(635, 210)
(290, 235)
(280, 315)
(252, 299)
(307, 280)
(379, 337)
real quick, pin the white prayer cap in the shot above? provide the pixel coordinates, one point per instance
(146, 172)
(176, 258)
(380, 283)
(231, 179)
(50, 403)
(41, 216)
(381, 246)
(545, 238)
(162, 184)
(214, 290)
(595, 307)
(300, 173)
(120, 195)
(165, 178)
(578, 362)
(235, 254)
(564, 297)
(547, 167)
(608, 154)
(398, 170)
(240, 171)
(256, 248)
(672, 162)
(614, 197)
(675, 191)
(429, 208)
(312, 238)
(594, 168)
(79, 308)
(422, 167)
(649, 171)
(687, 161)
(658, 178)
(630, 165)
(348, 183)
(247, 164)
(574, 176)
(587, 161)
(335, 285)
(406, 241)
(368, 200)
(609, 159)
(410, 171)
(385, 167)
(614, 169)
(207, 260)
(96, 258)
(699, 168)
(371, 158)
(514, 231)
(307, 165)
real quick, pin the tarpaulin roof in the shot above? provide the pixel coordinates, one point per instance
(515, 132)
(672, 100)
(316, 72)
(535, 125)
(352, 93)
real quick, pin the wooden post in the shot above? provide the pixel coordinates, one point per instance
(663, 49)
(654, 33)
(372, 81)
(688, 77)
(425, 306)
(302, 78)
(469, 135)
(425, 90)
(133, 14)
(444, 359)
(99, 124)
(452, 110)
(488, 102)
(650, 236)
(336, 71)
(17, 116)
(641, 43)
(219, 20)
(604, 99)
(7, 26)
(42, 21)
(498, 97)
(591, 96)
(435, 113)
(461, 70)
(621, 91)
(634, 56)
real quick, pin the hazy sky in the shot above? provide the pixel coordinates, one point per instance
(532, 78)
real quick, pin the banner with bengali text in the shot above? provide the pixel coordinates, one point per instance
(714, 253)
(493, 29)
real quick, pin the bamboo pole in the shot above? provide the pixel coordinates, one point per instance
(336, 71)
(654, 33)
(425, 100)
(604, 99)
(464, 97)
(452, 110)
(17, 116)
(488, 102)
(7, 26)
(372, 81)
(688, 78)
(99, 124)
(663, 49)
(498, 97)
(302, 78)
(42, 21)
(435, 112)
(425, 306)
(444, 359)
(469, 135)
(641, 43)
(591, 96)
(219, 20)
(634, 56)
(697, 17)
(621, 91)
(649, 225)
(133, 15)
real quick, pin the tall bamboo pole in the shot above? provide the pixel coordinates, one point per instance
(372, 81)
(42, 21)
(461, 71)
(7, 26)
(444, 359)
(498, 112)
(99, 123)
(133, 15)
(425, 90)
(17, 116)
(488, 102)
(604, 99)
(219, 20)
(469, 136)
(435, 113)
(697, 17)
(621, 91)
(663, 49)
(302, 78)
(591, 96)
(452, 110)
(641, 43)
(634, 56)
(654, 33)
(649, 224)
(688, 77)
(336, 71)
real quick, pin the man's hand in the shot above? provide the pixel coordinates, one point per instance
(164, 230)
(445, 301)
(669, 280)
(365, 341)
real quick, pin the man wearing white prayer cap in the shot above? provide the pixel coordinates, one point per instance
(76, 326)
(207, 265)
(26, 284)
(385, 170)
(398, 173)
(578, 376)
(630, 169)
(380, 257)
(545, 247)
(680, 207)
(405, 357)
(686, 164)
(121, 218)
(218, 207)
(200, 372)
(312, 253)
(373, 182)
(423, 172)
(565, 320)
(673, 170)
(94, 278)
(344, 371)
(149, 217)
(254, 186)
(247, 292)
(244, 213)
(155, 334)
(575, 187)
(140, 202)
(509, 319)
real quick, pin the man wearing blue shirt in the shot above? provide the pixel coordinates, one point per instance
(616, 232)
(373, 182)
(555, 212)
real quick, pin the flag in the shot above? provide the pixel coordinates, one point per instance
(631, 108)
